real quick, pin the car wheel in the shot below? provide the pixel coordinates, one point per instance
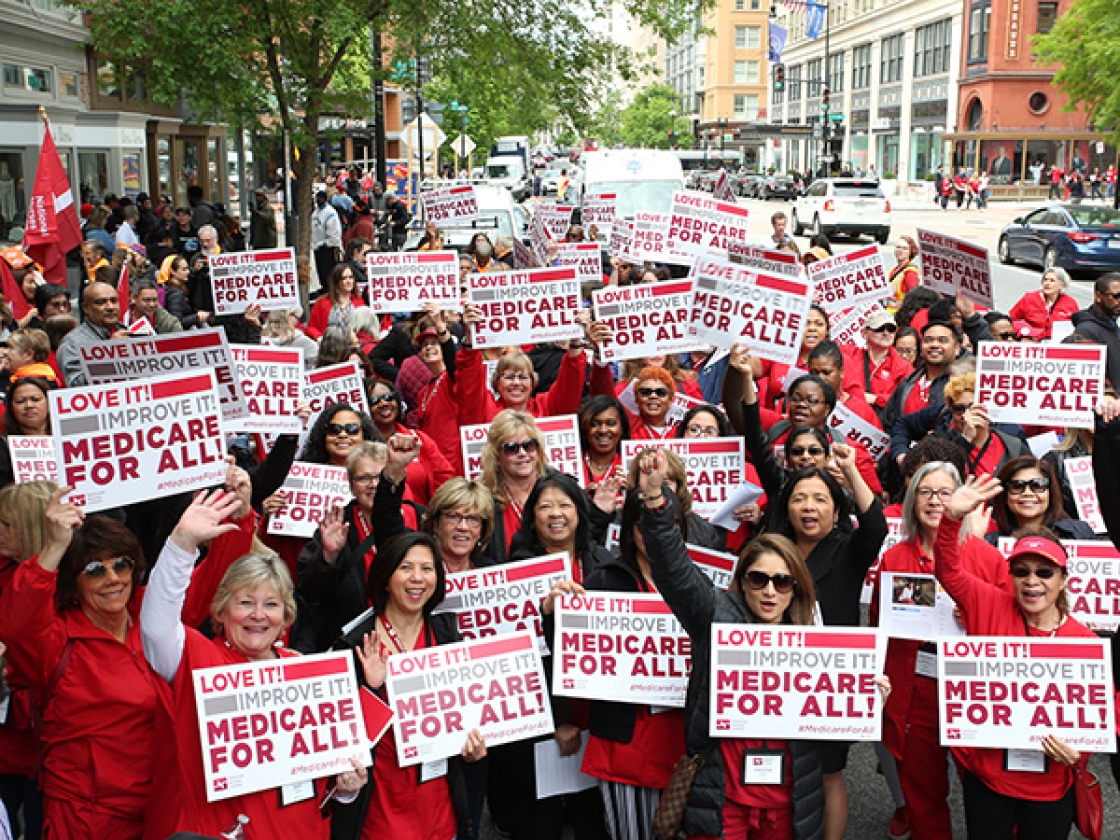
(1003, 251)
(817, 229)
(883, 236)
(796, 225)
(1050, 259)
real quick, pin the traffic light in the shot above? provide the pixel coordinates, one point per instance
(779, 78)
(824, 101)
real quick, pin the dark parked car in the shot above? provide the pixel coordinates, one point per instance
(779, 186)
(749, 185)
(1076, 237)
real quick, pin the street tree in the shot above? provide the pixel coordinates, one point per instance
(653, 121)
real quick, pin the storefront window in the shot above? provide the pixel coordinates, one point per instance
(214, 170)
(93, 172)
(925, 154)
(1041, 155)
(888, 153)
(1002, 160)
(12, 207)
(188, 170)
(130, 165)
(163, 164)
(859, 153)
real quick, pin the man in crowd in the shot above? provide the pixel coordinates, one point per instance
(145, 304)
(102, 322)
(262, 222)
(779, 237)
(1098, 322)
(326, 237)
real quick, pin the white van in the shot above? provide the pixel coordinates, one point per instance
(643, 179)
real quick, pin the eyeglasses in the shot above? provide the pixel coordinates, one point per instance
(662, 393)
(471, 520)
(517, 377)
(702, 431)
(512, 447)
(335, 429)
(366, 479)
(928, 493)
(1017, 486)
(98, 568)
(380, 398)
(783, 583)
(885, 328)
(1041, 572)
(812, 402)
(960, 408)
(802, 451)
(1009, 335)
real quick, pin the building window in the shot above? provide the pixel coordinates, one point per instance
(836, 73)
(740, 5)
(814, 74)
(746, 72)
(793, 82)
(931, 48)
(756, 5)
(68, 85)
(979, 24)
(747, 37)
(108, 80)
(1038, 103)
(13, 75)
(746, 106)
(890, 60)
(40, 80)
(1047, 17)
(975, 115)
(861, 67)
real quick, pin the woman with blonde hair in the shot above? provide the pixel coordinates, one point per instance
(280, 330)
(512, 461)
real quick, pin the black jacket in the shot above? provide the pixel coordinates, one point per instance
(1057, 459)
(701, 532)
(1106, 455)
(698, 604)
(839, 564)
(895, 407)
(1098, 327)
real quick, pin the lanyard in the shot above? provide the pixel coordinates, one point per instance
(391, 632)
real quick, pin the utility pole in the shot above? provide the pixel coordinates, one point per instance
(379, 150)
(420, 118)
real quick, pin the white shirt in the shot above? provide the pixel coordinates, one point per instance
(126, 235)
(326, 228)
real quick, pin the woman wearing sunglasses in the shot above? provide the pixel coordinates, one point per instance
(1034, 800)
(337, 430)
(910, 716)
(654, 390)
(512, 461)
(771, 585)
(428, 472)
(1032, 500)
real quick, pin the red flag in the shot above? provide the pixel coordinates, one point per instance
(12, 291)
(52, 220)
(122, 287)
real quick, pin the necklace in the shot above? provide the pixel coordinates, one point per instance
(431, 395)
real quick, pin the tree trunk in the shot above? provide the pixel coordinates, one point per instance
(305, 177)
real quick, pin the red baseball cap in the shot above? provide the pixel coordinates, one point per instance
(1041, 547)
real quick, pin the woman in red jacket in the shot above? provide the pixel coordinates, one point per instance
(910, 722)
(337, 303)
(1042, 307)
(1001, 803)
(427, 473)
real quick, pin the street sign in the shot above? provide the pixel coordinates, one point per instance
(433, 135)
(461, 145)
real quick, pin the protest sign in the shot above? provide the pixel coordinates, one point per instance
(241, 279)
(1040, 384)
(526, 307)
(620, 647)
(334, 384)
(647, 320)
(721, 190)
(846, 328)
(33, 458)
(1092, 581)
(734, 305)
(717, 566)
(895, 535)
(815, 684)
(555, 219)
(271, 380)
(309, 491)
(651, 240)
(404, 281)
(562, 449)
(141, 326)
(714, 466)
(450, 204)
(1011, 693)
(584, 257)
(1083, 485)
(439, 694)
(127, 442)
(598, 209)
(952, 265)
(845, 280)
(142, 358)
(622, 241)
(915, 606)
(855, 428)
(763, 260)
(703, 226)
(273, 722)
(538, 238)
(502, 599)
(524, 256)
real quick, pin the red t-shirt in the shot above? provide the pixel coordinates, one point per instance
(754, 796)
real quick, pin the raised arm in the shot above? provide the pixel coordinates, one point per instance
(970, 593)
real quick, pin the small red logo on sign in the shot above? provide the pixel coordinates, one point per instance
(723, 725)
(221, 784)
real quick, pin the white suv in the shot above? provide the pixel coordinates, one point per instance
(843, 205)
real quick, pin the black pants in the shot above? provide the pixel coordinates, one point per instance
(993, 816)
(324, 264)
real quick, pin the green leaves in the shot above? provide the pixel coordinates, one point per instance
(653, 121)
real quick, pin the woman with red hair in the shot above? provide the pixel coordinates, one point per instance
(654, 390)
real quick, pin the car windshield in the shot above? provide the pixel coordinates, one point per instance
(493, 225)
(501, 170)
(654, 196)
(857, 190)
(1094, 216)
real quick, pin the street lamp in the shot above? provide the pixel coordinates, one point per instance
(464, 121)
(672, 127)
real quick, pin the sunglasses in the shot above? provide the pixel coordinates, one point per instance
(380, 398)
(98, 569)
(512, 447)
(1020, 485)
(960, 408)
(885, 328)
(1006, 336)
(653, 392)
(351, 429)
(783, 583)
(1041, 572)
(802, 451)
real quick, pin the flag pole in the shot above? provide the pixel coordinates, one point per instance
(43, 115)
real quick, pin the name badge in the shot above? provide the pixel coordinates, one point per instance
(433, 770)
(296, 792)
(764, 767)
(926, 665)
(1024, 761)
(660, 710)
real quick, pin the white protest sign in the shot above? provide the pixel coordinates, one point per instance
(562, 449)
(734, 305)
(651, 240)
(699, 225)
(620, 647)
(1011, 693)
(622, 241)
(1092, 581)
(451, 204)
(555, 219)
(141, 326)
(526, 307)
(1083, 485)
(764, 260)
(184, 352)
(502, 599)
(1040, 384)
(714, 466)
(810, 683)
(128, 442)
(309, 492)
(855, 428)
(277, 722)
(33, 458)
(846, 328)
(439, 694)
(952, 265)
(845, 280)
(538, 239)
(598, 209)
(914, 606)
(404, 281)
(271, 380)
(895, 535)
(254, 278)
(717, 566)
(334, 384)
(584, 257)
(647, 320)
